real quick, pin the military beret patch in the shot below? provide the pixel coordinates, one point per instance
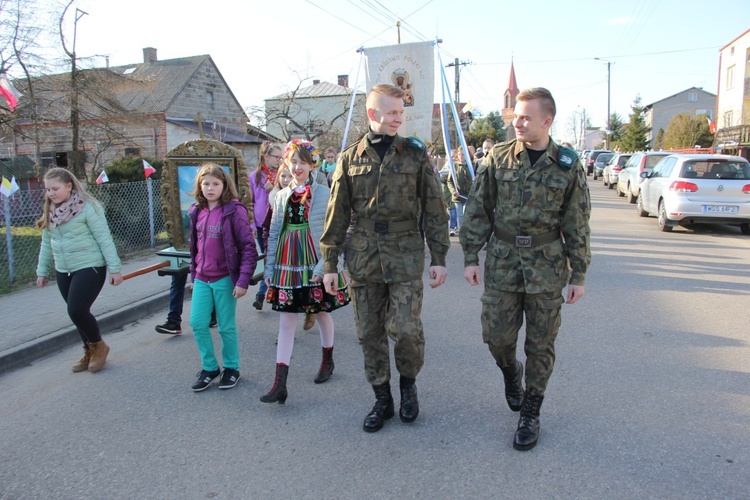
(566, 157)
(416, 143)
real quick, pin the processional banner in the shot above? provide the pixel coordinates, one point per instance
(411, 67)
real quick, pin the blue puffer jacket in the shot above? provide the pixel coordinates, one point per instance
(84, 241)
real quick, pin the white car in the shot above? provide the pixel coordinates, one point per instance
(629, 181)
(693, 189)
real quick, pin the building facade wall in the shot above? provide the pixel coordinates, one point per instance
(733, 106)
(208, 94)
(661, 113)
(318, 113)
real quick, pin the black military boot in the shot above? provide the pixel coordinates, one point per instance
(382, 410)
(513, 376)
(409, 410)
(278, 392)
(528, 423)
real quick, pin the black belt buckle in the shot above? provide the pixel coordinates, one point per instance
(381, 227)
(523, 241)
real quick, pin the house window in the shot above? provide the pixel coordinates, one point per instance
(728, 119)
(210, 100)
(730, 77)
(48, 159)
(132, 151)
(693, 97)
(61, 159)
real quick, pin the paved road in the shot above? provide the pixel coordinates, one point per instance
(650, 397)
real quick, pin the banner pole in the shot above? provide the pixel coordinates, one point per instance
(361, 51)
(459, 130)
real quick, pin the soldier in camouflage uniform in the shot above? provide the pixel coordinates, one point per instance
(388, 182)
(530, 204)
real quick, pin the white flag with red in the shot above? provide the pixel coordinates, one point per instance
(148, 169)
(102, 178)
(9, 92)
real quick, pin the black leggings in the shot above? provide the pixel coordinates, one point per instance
(80, 289)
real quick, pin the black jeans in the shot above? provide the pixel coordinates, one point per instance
(80, 289)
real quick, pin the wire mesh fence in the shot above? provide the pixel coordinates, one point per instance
(135, 225)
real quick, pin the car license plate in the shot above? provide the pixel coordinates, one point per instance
(719, 209)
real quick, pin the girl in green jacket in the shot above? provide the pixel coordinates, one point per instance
(76, 238)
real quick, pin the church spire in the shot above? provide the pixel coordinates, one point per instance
(512, 85)
(509, 98)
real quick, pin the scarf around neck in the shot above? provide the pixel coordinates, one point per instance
(62, 213)
(270, 174)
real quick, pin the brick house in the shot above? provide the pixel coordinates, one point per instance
(142, 109)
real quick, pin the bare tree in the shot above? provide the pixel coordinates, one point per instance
(296, 115)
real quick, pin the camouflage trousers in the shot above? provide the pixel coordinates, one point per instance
(383, 310)
(502, 318)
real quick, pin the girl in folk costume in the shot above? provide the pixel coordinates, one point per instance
(222, 261)
(294, 265)
(76, 238)
(261, 183)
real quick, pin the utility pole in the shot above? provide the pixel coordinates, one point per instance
(398, 29)
(456, 64)
(609, 130)
(75, 162)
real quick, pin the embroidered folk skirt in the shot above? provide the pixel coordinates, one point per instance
(291, 289)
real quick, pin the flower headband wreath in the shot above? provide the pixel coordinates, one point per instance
(301, 143)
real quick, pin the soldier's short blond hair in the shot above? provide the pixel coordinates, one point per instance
(383, 90)
(545, 97)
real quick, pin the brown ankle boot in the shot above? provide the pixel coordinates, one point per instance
(83, 363)
(99, 351)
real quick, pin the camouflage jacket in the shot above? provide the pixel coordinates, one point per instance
(463, 176)
(403, 187)
(511, 197)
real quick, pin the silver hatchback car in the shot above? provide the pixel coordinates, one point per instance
(694, 189)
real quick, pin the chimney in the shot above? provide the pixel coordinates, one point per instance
(149, 55)
(344, 80)
(315, 82)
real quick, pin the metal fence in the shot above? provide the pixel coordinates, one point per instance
(135, 224)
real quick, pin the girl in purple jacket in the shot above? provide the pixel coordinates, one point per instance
(223, 257)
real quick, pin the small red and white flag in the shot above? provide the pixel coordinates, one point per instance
(102, 178)
(9, 92)
(148, 169)
(711, 125)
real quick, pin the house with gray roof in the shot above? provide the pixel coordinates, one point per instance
(142, 109)
(694, 101)
(317, 112)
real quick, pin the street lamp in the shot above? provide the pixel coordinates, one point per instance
(609, 129)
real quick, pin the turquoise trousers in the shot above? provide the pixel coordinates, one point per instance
(206, 296)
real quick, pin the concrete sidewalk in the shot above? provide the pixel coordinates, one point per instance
(37, 323)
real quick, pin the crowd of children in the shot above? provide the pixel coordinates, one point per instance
(290, 191)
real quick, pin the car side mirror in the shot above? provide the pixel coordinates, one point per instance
(645, 175)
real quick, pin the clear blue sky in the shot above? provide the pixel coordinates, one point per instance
(657, 47)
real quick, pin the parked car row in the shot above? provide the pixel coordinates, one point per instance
(684, 189)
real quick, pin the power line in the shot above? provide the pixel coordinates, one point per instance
(621, 56)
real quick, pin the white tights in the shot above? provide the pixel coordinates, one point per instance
(287, 327)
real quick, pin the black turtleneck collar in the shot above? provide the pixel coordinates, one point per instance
(380, 142)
